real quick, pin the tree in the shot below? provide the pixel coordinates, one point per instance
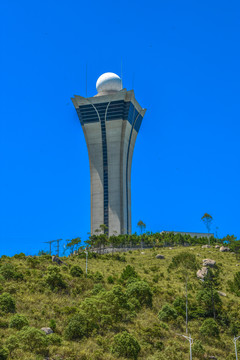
(141, 226)
(208, 297)
(73, 244)
(207, 220)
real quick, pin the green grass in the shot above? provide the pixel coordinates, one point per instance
(40, 304)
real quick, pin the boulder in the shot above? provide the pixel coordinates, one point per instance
(209, 262)
(206, 246)
(224, 249)
(159, 256)
(222, 293)
(142, 253)
(217, 247)
(47, 330)
(202, 273)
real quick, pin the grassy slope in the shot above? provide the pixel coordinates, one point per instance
(42, 305)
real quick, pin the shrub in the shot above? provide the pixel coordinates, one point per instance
(77, 327)
(33, 262)
(33, 340)
(235, 284)
(97, 289)
(19, 256)
(167, 313)
(180, 306)
(18, 321)
(54, 279)
(185, 259)
(198, 350)
(3, 324)
(128, 272)
(76, 271)
(141, 291)
(54, 339)
(110, 279)
(52, 324)
(209, 328)
(98, 277)
(205, 299)
(7, 303)
(126, 345)
(3, 353)
(12, 343)
(9, 272)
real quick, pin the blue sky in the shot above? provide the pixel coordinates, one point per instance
(183, 60)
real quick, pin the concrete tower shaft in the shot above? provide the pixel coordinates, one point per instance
(110, 123)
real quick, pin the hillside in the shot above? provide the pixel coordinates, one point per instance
(92, 317)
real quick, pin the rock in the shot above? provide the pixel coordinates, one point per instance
(217, 247)
(222, 293)
(209, 262)
(170, 248)
(202, 273)
(159, 256)
(224, 249)
(47, 330)
(237, 264)
(206, 246)
(57, 260)
(142, 252)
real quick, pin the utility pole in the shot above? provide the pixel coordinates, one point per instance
(190, 343)
(50, 245)
(58, 241)
(235, 344)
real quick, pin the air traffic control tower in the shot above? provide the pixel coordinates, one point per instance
(110, 121)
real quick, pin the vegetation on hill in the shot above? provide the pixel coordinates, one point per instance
(130, 305)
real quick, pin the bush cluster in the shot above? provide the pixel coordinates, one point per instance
(126, 345)
(7, 303)
(18, 321)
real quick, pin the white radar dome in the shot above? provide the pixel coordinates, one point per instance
(108, 82)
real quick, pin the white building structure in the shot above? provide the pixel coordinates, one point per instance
(110, 121)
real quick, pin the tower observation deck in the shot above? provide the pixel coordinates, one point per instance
(110, 122)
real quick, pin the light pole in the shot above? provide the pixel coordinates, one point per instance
(86, 252)
(235, 343)
(190, 343)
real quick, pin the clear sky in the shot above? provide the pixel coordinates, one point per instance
(183, 60)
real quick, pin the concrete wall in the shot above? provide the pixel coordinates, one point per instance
(93, 138)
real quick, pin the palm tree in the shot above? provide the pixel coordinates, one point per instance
(142, 227)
